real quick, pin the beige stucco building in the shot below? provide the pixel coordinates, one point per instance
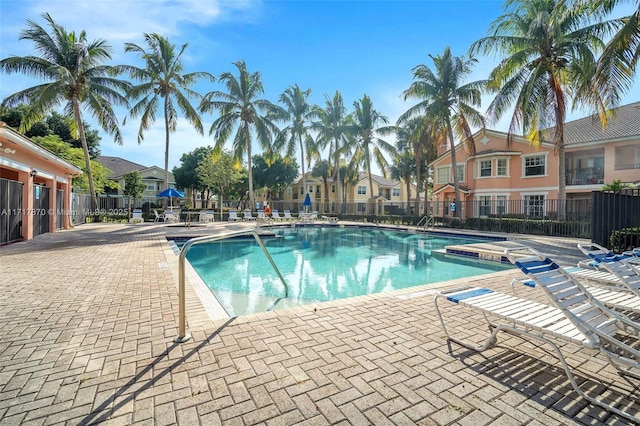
(35, 188)
(388, 195)
(153, 178)
(498, 178)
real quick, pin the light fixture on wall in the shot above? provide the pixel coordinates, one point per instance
(7, 150)
(33, 173)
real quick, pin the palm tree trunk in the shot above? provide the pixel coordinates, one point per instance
(373, 207)
(456, 185)
(85, 149)
(166, 146)
(418, 164)
(304, 185)
(558, 141)
(336, 179)
(251, 198)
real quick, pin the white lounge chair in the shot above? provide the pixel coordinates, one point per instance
(246, 215)
(314, 216)
(330, 219)
(261, 215)
(209, 216)
(575, 317)
(275, 215)
(136, 216)
(622, 267)
(287, 215)
(158, 217)
(170, 216)
(233, 216)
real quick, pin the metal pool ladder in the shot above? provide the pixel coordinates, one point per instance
(425, 222)
(182, 334)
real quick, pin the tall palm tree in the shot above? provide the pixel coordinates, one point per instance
(300, 113)
(331, 128)
(416, 135)
(617, 64)
(448, 102)
(546, 48)
(366, 146)
(76, 75)
(240, 107)
(163, 83)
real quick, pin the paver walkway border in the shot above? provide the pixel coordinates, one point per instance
(88, 317)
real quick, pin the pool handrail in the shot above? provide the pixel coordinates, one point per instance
(424, 222)
(182, 335)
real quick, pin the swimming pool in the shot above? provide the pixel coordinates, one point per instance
(325, 263)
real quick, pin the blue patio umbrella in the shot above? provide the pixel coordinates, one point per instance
(307, 201)
(170, 193)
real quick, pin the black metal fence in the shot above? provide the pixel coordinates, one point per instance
(10, 210)
(41, 211)
(616, 219)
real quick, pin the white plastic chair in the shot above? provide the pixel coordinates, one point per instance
(233, 216)
(287, 215)
(246, 215)
(275, 215)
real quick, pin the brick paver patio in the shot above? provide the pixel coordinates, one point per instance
(88, 317)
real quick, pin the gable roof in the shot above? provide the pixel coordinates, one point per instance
(380, 180)
(119, 166)
(623, 123)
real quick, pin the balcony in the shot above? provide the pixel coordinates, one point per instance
(627, 166)
(585, 176)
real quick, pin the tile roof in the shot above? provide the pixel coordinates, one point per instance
(119, 166)
(624, 122)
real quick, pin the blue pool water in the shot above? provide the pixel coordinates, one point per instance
(321, 264)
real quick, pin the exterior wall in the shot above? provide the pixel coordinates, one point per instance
(24, 161)
(589, 166)
(513, 184)
(316, 190)
(153, 177)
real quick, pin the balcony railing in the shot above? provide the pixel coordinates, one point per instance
(585, 176)
(627, 166)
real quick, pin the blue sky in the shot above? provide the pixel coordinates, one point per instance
(355, 47)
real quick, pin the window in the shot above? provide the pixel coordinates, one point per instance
(534, 205)
(501, 167)
(443, 175)
(362, 190)
(301, 189)
(380, 192)
(535, 166)
(310, 189)
(460, 172)
(396, 192)
(484, 206)
(485, 168)
(317, 189)
(501, 204)
(333, 188)
(361, 207)
(289, 192)
(151, 186)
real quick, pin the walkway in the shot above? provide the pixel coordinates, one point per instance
(88, 317)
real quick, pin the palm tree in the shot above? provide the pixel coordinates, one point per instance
(448, 103)
(404, 168)
(322, 169)
(547, 47)
(240, 107)
(415, 135)
(616, 66)
(77, 75)
(331, 130)
(367, 147)
(163, 81)
(300, 113)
